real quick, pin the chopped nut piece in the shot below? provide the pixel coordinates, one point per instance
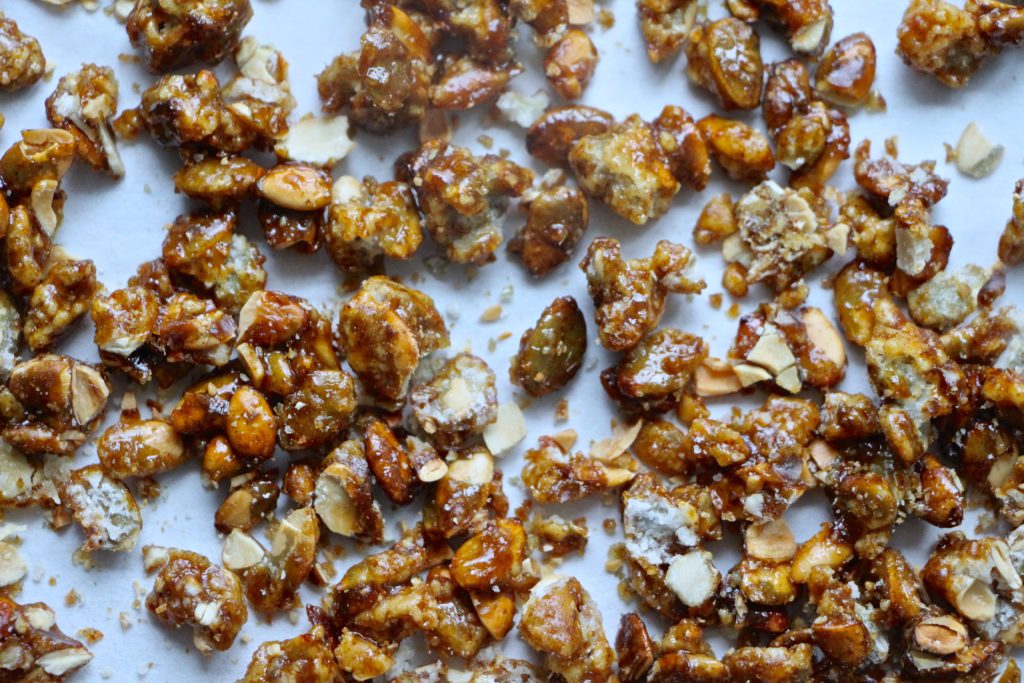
(320, 408)
(725, 57)
(630, 295)
(40, 155)
(21, 58)
(655, 374)
(684, 147)
(561, 621)
(249, 503)
(133, 447)
(940, 635)
(570, 63)
(633, 649)
(896, 182)
(976, 155)
(189, 589)
(305, 657)
(553, 475)
(344, 498)
(948, 298)
(693, 577)
(174, 36)
(219, 181)
(105, 509)
(459, 400)
(386, 84)
(551, 353)
(626, 169)
(188, 111)
(715, 377)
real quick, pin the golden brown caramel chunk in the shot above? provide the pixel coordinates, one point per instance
(654, 375)
(133, 447)
(181, 34)
(570, 63)
(104, 508)
(554, 475)
(35, 649)
(561, 621)
(58, 401)
(188, 111)
(342, 494)
(665, 25)
(305, 658)
(627, 170)
(552, 136)
(189, 589)
(630, 294)
(846, 72)
(57, 302)
(556, 218)
(742, 151)
(458, 401)
(405, 318)
(684, 147)
(463, 197)
(369, 221)
(385, 85)
(725, 57)
(941, 39)
(219, 181)
(21, 58)
(84, 104)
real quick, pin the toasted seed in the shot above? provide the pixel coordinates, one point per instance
(551, 353)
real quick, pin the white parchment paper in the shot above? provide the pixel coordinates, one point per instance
(120, 224)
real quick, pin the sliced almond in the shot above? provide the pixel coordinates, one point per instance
(13, 567)
(321, 141)
(771, 541)
(617, 476)
(772, 352)
(241, 551)
(715, 377)
(477, 469)
(824, 336)
(333, 503)
(941, 635)
(565, 438)
(976, 155)
(823, 454)
(789, 379)
(508, 429)
(581, 12)
(750, 374)
(618, 443)
(61, 662)
(42, 205)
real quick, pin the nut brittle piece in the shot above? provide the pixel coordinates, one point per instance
(626, 169)
(561, 621)
(462, 197)
(458, 402)
(105, 509)
(556, 218)
(370, 220)
(83, 104)
(724, 56)
(554, 475)
(181, 34)
(382, 309)
(34, 648)
(21, 58)
(189, 589)
(57, 302)
(630, 294)
(551, 353)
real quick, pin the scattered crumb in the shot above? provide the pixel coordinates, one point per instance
(950, 153)
(609, 525)
(716, 301)
(124, 620)
(129, 59)
(733, 312)
(72, 598)
(491, 314)
(486, 141)
(90, 635)
(892, 147)
(562, 410)
(606, 19)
